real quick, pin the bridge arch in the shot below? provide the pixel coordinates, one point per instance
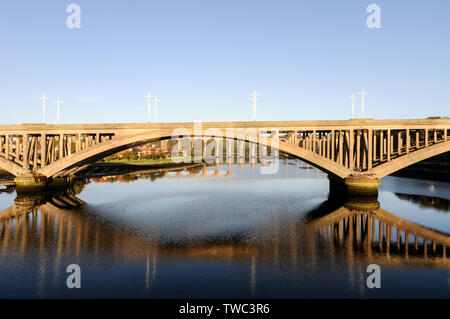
(80, 159)
(12, 167)
(410, 159)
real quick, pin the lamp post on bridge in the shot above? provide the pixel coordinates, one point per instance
(362, 93)
(58, 103)
(43, 98)
(155, 107)
(353, 98)
(254, 99)
(149, 102)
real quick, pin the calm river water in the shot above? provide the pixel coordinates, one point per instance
(226, 231)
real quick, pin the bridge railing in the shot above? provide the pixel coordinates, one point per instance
(363, 149)
(35, 150)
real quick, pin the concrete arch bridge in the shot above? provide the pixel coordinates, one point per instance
(359, 152)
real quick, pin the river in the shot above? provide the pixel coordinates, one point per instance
(226, 232)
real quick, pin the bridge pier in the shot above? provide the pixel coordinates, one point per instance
(362, 203)
(31, 182)
(361, 184)
(30, 199)
(37, 183)
(354, 185)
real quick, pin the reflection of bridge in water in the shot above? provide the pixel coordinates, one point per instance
(60, 230)
(379, 234)
(105, 174)
(438, 203)
(358, 232)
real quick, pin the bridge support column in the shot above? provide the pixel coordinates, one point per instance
(354, 186)
(7, 146)
(30, 182)
(37, 183)
(360, 184)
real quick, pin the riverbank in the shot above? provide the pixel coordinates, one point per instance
(117, 167)
(164, 161)
(436, 168)
(124, 168)
(138, 162)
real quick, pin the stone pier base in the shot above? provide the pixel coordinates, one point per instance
(30, 182)
(30, 199)
(354, 185)
(362, 203)
(361, 184)
(35, 183)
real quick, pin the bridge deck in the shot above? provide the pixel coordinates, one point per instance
(290, 125)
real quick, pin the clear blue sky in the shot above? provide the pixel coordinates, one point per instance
(203, 59)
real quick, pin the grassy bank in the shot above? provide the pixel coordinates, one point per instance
(139, 162)
(149, 162)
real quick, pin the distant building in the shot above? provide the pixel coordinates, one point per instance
(100, 180)
(140, 151)
(145, 150)
(120, 154)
